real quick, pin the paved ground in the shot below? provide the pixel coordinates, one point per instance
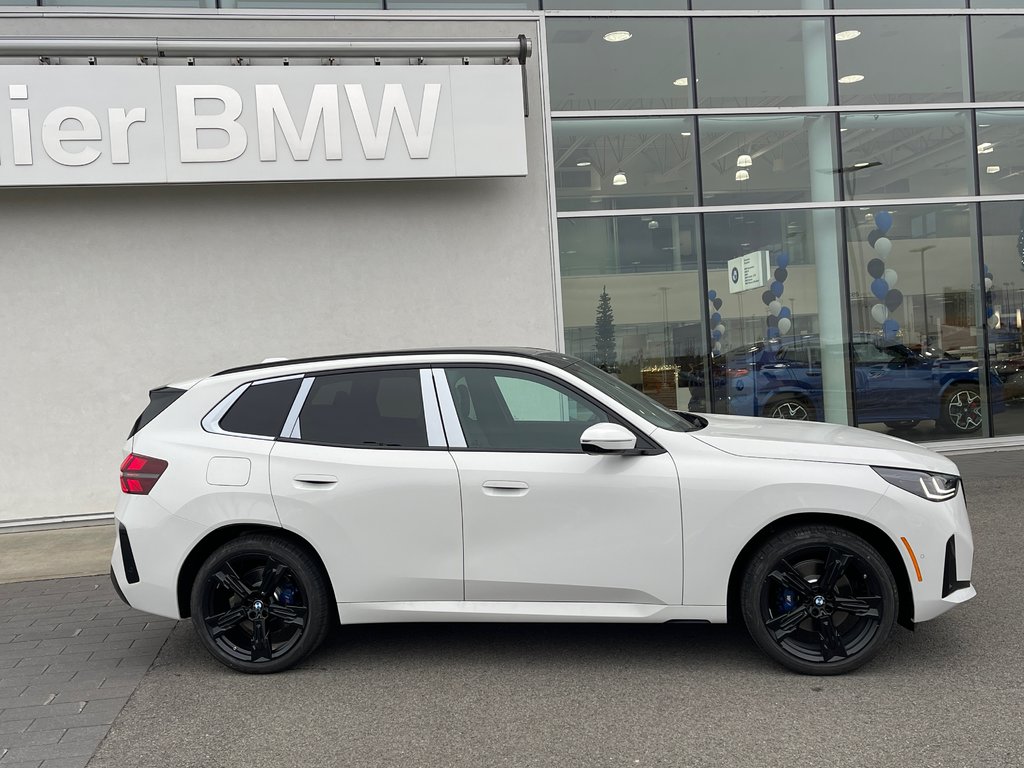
(82, 551)
(948, 694)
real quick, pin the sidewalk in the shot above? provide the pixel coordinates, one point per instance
(55, 554)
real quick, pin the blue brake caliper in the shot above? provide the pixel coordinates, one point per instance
(787, 600)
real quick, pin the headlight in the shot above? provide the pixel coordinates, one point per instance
(933, 486)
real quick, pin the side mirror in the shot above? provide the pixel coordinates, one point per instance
(607, 438)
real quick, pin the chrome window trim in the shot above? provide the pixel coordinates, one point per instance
(450, 416)
(291, 424)
(431, 411)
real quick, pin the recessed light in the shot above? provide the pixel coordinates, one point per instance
(993, 169)
(848, 79)
(861, 165)
(619, 179)
(986, 147)
(744, 245)
(685, 133)
(847, 34)
(618, 36)
(984, 125)
(582, 163)
(744, 161)
(681, 81)
(742, 175)
(843, 130)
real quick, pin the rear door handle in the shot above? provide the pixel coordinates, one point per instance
(322, 481)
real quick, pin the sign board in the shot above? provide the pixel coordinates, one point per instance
(748, 271)
(71, 125)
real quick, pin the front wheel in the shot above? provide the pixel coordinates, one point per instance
(819, 600)
(961, 409)
(260, 604)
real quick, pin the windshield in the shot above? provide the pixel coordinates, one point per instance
(637, 402)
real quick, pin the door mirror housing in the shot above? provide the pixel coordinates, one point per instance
(607, 438)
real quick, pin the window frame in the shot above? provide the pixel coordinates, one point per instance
(211, 421)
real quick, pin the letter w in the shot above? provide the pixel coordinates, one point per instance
(375, 142)
(323, 105)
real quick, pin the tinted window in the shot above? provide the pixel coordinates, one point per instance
(365, 409)
(506, 410)
(262, 408)
(159, 400)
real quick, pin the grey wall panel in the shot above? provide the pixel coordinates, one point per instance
(108, 292)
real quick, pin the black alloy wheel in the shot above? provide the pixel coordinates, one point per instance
(961, 409)
(260, 604)
(819, 600)
(792, 408)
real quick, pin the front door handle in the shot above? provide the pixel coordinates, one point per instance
(505, 488)
(321, 481)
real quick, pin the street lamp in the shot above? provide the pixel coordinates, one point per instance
(924, 289)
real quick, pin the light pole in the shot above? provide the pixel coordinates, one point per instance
(924, 289)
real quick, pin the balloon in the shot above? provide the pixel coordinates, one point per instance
(717, 303)
(890, 327)
(772, 320)
(880, 313)
(993, 322)
(720, 328)
(879, 288)
(775, 307)
(883, 247)
(873, 236)
(773, 332)
(716, 335)
(988, 283)
(893, 299)
(777, 289)
(785, 324)
(890, 277)
(989, 311)
(781, 274)
(767, 297)
(782, 260)
(717, 348)
(716, 319)
(876, 267)
(712, 295)
(784, 312)
(883, 220)
(989, 275)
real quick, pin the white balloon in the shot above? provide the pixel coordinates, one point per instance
(988, 283)
(890, 278)
(879, 313)
(785, 324)
(993, 322)
(883, 247)
(720, 328)
(775, 306)
(717, 348)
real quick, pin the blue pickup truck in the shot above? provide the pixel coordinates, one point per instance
(894, 384)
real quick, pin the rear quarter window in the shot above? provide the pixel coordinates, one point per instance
(261, 409)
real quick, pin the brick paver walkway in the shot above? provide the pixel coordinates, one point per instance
(71, 653)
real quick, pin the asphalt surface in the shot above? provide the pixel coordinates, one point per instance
(948, 694)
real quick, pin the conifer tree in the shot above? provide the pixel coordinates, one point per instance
(604, 334)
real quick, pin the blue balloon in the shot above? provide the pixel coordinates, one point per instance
(716, 335)
(784, 312)
(716, 319)
(879, 288)
(883, 221)
(890, 328)
(777, 289)
(712, 295)
(989, 311)
(782, 259)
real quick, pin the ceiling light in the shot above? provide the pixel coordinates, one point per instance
(653, 224)
(984, 125)
(847, 79)
(685, 133)
(847, 34)
(744, 161)
(993, 169)
(843, 130)
(582, 163)
(985, 147)
(742, 175)
(861, 165)
(619, 179)
(681, 81)
(618, 36)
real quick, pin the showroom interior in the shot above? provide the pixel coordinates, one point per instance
(721, 180)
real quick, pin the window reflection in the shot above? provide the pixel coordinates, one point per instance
(998, 57)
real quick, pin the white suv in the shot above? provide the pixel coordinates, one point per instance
(270, 502)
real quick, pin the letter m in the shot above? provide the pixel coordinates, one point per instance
(323, 106)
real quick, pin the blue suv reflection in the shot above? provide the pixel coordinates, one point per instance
(894, 384)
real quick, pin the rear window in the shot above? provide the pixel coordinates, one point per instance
(261, 409)
(159, 400)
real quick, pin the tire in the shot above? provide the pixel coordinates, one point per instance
(793, 408)
(905, 424)
(960, 411)
(814, 630)
(260, 604)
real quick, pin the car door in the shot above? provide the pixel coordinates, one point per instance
(544, 521)
(363, 472)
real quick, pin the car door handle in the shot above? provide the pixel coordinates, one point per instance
(321, 481)
(505, 488)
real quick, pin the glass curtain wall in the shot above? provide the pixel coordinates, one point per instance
(789, 216)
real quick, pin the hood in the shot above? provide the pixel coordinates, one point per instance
(813, 441)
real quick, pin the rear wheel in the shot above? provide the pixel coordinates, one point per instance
(819, 600)
(961, 409)
(260, 604)
(794, 408)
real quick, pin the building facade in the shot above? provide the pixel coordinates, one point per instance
(809, 208)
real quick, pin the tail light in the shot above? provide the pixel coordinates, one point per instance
(140, 473)
(735, 373)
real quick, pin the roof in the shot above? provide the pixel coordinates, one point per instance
(555, 358)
